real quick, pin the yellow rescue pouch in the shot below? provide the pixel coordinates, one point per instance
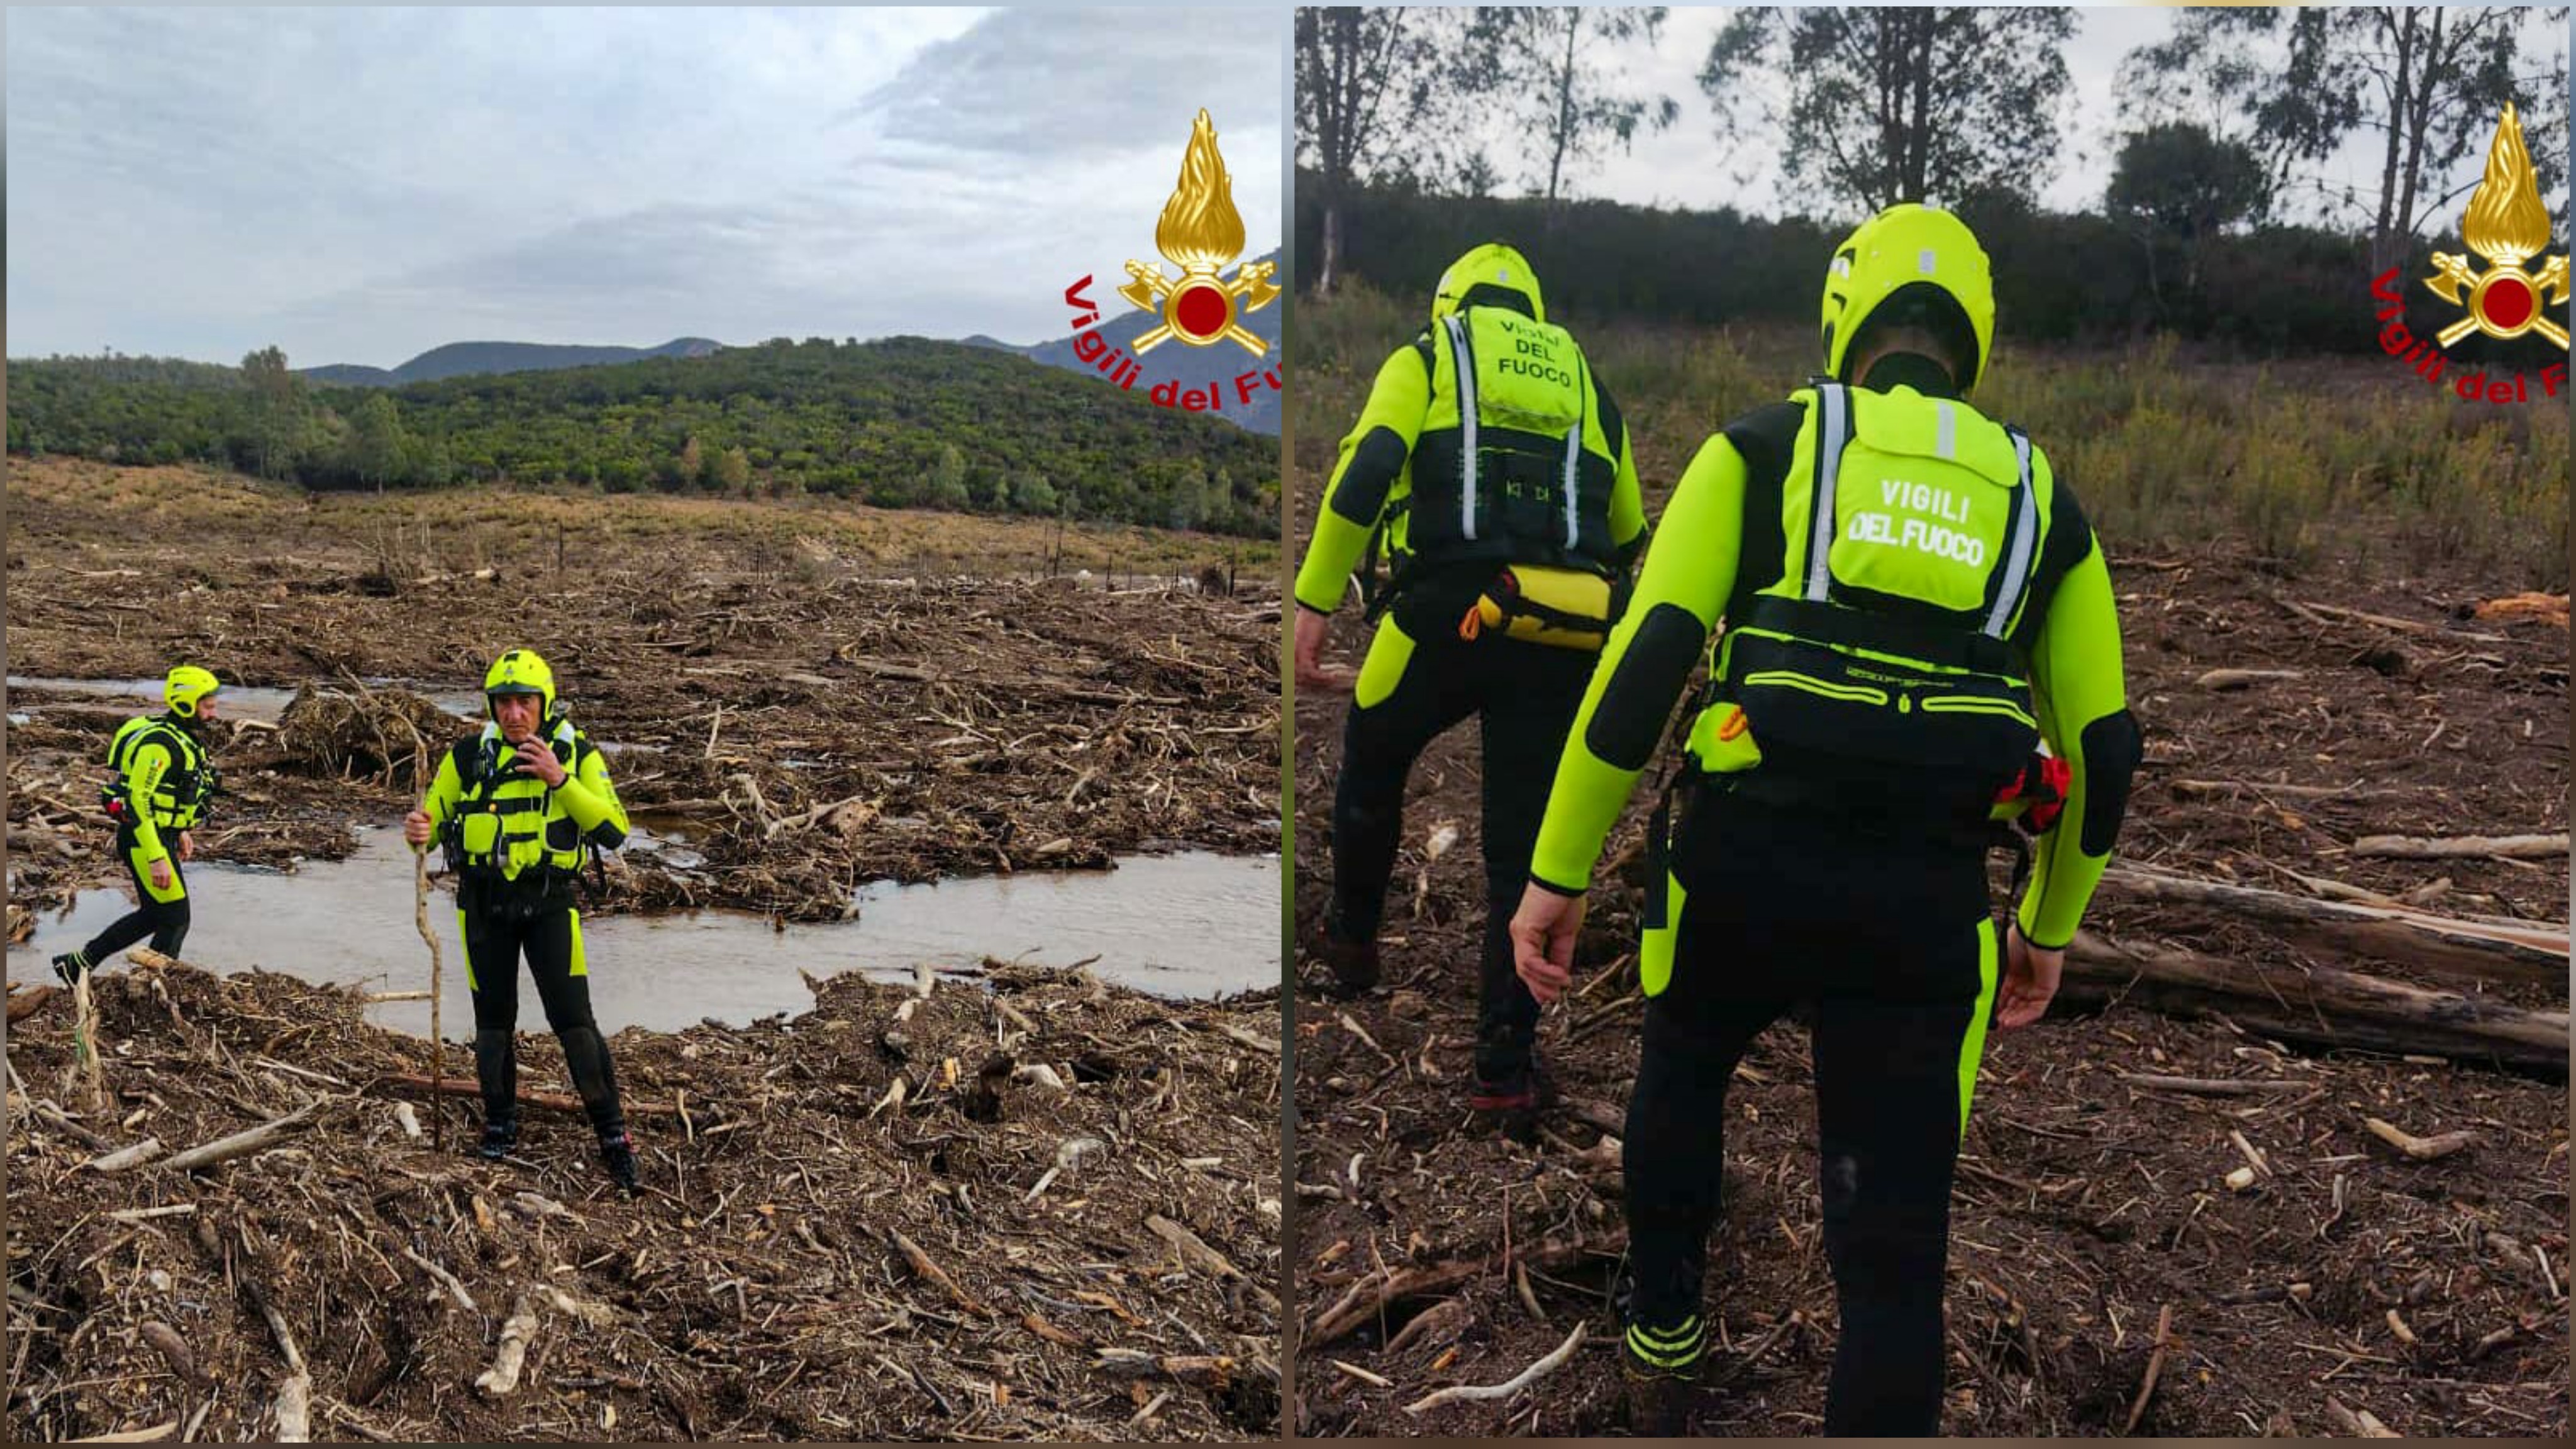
(1567, 608)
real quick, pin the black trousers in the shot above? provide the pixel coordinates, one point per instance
(550, 938)
(1413, 687)
(161, 915)
(1889, 944)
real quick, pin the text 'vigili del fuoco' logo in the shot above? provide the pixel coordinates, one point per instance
(2507, 226)
(1201, 233)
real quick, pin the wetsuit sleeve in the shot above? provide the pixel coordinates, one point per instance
(2078, 683)
(1627, 502)
(144, 768)
(590, 798)
(1688, 575)
(445, 789)
(1373, 457)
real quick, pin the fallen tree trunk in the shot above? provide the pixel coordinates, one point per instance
(2320, 1006)
(2536, 953)
(528, 1096)
(2516, 847)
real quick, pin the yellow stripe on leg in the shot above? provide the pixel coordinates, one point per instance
(1972, 1049)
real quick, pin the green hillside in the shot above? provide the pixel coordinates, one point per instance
(898, 423)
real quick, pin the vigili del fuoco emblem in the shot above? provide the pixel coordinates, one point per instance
(2508, 226)
(1200, 232)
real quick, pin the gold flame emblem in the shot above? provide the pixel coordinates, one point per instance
(2508, 225)
(1200, 232)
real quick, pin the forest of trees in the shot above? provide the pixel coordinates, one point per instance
(899, 423)
(2220, 219)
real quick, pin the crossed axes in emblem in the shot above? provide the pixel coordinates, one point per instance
(1251, 290)
(2548, 289)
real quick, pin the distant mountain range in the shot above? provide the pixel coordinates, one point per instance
(1192, 367)
(461, 359)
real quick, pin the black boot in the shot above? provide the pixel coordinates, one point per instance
(1512, 1101)
(1660, 1371)
(500, 1136)
(71, 966)
(1354, 963)
(618, 1154)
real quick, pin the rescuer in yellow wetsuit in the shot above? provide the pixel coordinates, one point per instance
(1495, 469)
(517, 806)
(1911, 604)
(161, 781)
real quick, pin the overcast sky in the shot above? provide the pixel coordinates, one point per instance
(1685, 166)
(362, 185)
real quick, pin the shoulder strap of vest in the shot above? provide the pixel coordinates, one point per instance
(2020, 544)
(1462, 357)
(1833, 433)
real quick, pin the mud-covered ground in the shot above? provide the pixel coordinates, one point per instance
(814, 705)
(1047, 1210)
(2430, 1294)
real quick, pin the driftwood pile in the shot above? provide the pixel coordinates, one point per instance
(1044, 1210)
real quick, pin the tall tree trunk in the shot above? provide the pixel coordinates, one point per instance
(1332, 260)
(2399, 104)
(1564, 112)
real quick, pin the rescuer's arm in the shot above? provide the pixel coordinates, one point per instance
(2077, 682)
(1373, 456)
(1627, 503)
(590, 798)
(1688, 575)
(446, 789)
(144, 768)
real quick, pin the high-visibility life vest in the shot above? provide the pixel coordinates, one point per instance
(1913, 527)
(178, 800)
(1514, 462)
(508, 822)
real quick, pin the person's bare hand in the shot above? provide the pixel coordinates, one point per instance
(537, 758)
(1543, 932)
(187, 846)
(2030, 979)
(1312, 671)
(161, 874)
(417, 829)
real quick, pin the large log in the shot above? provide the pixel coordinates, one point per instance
(2534, 953)
(2514, 847)
(2321, 1006)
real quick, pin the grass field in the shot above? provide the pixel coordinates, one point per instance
(2312, 462)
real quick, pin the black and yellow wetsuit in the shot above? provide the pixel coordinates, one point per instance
(1880, 678)
(1464, 465)
(160, 782)
(518, 847)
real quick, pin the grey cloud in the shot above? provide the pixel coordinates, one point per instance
(361, 185)
(1067, 82)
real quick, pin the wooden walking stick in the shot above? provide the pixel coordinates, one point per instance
(437, 970)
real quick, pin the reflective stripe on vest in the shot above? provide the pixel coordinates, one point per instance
(2025, 530)
(1462, 361)
(1832, 436)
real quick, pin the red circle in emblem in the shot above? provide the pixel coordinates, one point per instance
(2507, 303)
(1200, 311)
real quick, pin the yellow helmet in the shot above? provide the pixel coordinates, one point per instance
(520, 671)
(1911, 264)
(1495, 265)
(186, 686)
